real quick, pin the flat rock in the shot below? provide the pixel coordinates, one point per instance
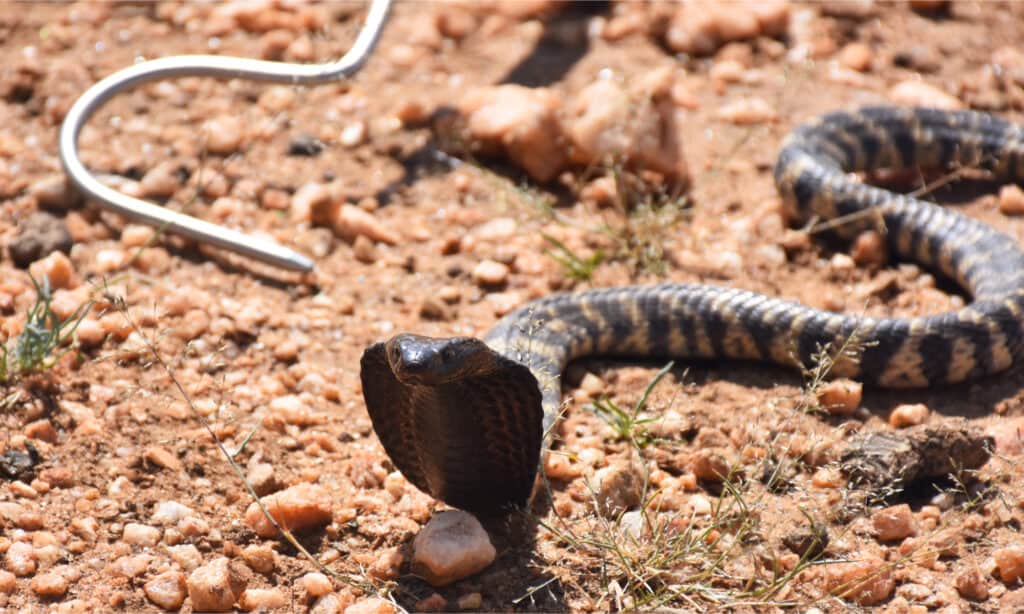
(887, 461)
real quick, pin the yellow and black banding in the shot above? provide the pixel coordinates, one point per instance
(463, 419)
(813, 176)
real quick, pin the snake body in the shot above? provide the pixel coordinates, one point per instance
(463, 419)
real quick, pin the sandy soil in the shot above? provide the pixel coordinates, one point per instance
(270, 358)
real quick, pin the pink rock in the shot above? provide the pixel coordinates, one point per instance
(300, 507)
(521, 122)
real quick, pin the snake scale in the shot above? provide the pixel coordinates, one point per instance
(464, 419)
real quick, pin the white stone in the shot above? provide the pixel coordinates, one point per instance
(452, 546)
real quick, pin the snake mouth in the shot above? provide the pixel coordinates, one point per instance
(464, 427)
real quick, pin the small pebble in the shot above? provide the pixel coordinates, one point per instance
(411, 112)
(451, 546)
(266, 599)
(23, 490)
(914, 93)
(109, 260)
(1010, 563)
(894, 523)
(364, 250)
(870, 249)
(1008, 434)
(161, 181)
(55, 193)
(85, 527)
(856, 56)
(170, 513)
(38, 235)
(617, 488)
(186, 555)
(49, 585)
(470, 602)
(747, 111)
(137, 235)
(559, 467)
(224, 135)
(20, 559)
(42, 430)
(33, 521)
(867, 581)
(261, 558)
(699, 505)
(300, 507)
(592, 385)
(504, 302)
(350, 222)
(433, 308)
(840, 397)
(970, 583)
(56, 268)
(316, 202)
(373, 605)
(316, 584)
(432, 603)
(90, 333)
(387, 564)
(140, 535)
(292, 409)
(167, 590)
(727, 71)
(263, 479)
(827, 477)
(130, 566)
(908, 415)
(353, 134)
(1011, 200)
(710, 465)
(8, 582)
(215, 587)
(490, 273)
(163, 458)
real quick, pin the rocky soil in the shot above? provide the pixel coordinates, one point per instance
(489, 153)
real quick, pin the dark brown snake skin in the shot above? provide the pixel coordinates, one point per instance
(464, 419)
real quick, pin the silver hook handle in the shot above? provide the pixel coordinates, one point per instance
(206, 66)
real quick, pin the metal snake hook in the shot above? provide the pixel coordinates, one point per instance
(221, 67)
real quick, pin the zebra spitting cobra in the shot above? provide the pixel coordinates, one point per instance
(464, 419)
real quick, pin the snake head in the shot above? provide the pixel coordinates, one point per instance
(426, 361)
(459, 420)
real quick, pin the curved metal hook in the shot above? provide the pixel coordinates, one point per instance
(206, 66)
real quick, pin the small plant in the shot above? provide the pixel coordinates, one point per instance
(648, 212)
(628, 424)
(581, 269)
(36, 348)
(824, 360)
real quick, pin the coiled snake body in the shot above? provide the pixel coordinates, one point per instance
(463, 419)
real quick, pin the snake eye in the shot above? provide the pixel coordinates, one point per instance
(447, 353)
